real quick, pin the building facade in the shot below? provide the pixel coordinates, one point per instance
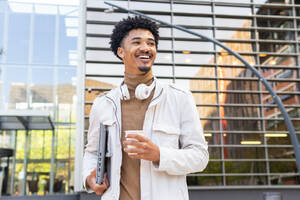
(38, 69)
(248, 141)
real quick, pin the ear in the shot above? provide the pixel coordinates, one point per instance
(120, 52)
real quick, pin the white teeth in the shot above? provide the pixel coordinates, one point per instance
(145, 57)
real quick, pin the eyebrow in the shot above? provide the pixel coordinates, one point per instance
(138, 38)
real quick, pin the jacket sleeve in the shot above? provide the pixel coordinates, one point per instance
(193, 154)
(90, 153)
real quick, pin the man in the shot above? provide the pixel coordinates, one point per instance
(173, 144)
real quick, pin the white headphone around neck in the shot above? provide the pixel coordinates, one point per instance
(142, 91)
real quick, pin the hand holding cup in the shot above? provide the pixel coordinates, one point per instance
(140, 147)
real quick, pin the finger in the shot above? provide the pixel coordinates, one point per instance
(130, 142)
(142, 145)
(137, 156)
(140, 138)
(100, 189)
(93, 173)
(106, 180)
(133, 151)
(91, 179)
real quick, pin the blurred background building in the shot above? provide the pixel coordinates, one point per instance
(248, 141)
(38, 63)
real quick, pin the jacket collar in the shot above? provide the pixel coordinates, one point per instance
(158, 93)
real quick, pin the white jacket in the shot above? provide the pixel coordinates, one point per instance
(172, 123)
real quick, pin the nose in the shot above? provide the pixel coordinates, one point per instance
(144, 47)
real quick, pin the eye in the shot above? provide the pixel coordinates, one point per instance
(135, 42)
(151, 43)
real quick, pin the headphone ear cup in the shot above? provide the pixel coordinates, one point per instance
(125, 92)
(142, 91)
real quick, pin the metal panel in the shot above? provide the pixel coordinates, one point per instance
(233, 105)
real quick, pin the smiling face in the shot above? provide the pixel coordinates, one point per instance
(138, 51)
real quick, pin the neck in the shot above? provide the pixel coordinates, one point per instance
(132, 80)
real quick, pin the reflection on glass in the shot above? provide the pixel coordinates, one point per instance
(233, 22)
(246, 180)
(66, 94)
(40, 34)
(212, 139)
(205, 180)
(182, 20)
(44, 39)
(18, 43)
(246, 152)
(233, 11)
(210, 125)
(7, 139)
(15, 93)
(245, 167)
(213, 180)
(41, 89)
(214, 153)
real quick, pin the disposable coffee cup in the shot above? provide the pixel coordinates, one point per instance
(139, 132)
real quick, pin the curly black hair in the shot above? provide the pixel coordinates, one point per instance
(123, 27)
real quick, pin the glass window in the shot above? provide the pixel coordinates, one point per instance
(239, 138)
(243, 124)
(2, 28)
(205, 180)
(212, 139)
(68, 33)
(245, 167)
(42, 87)
(65, 93)
(7, 139)
(15, 87)
(280, 152)
(241, 111)
(207, 111)
(283, 167)
(18, 44)
(44, 39)
(230, 22)
(246, 180)
(244, 152)
(210, 124)
(209, 85)
(213, 167)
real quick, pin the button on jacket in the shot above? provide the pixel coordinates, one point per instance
(172, 123)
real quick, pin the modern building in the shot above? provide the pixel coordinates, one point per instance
(38, 69)
(251, 153)
(248, 141)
